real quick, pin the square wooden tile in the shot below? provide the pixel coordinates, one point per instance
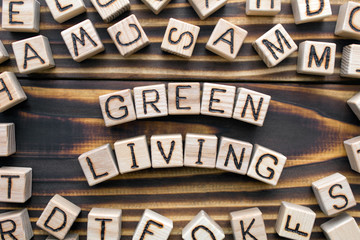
(11, 92)
(15, 184)
(63, 10)
(200, 150)
(310, 11)
(17, 223)
(167, 151)
(347, 21)
(263, 7)
(7, 139)
(184, 98)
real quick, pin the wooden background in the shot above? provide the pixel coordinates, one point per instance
(308, 120)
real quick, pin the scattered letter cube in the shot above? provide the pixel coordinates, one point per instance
(310, 10)
(350, 66)
(15, 184)
(184, 98)
(167, 151)
(200, 150)
(63, 10)
(11, 92)
(104, 223)
(16, 224)
(7, 139)
(248, 224)
(263, 7)
(347, 21)
(342, 227)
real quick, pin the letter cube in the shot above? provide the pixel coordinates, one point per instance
(16, 225)
(7, 139)
(58, 216)
(317, 58)
(333, 194)
(69, 236)
(167, 151)
(350, 66)
(33, 54)
(295, 221)
(11, 92)
(104, 223)
(347, 21)
(110, 9)
(263, 7)
(200, 150)
(204, 8)
(310, 10)
(354, 104)
(15, 184)
(180, 38)
(82, 40)
(202, 226)
(266, 165)
(352, 147)
(153, 226)
(99, 164)
(274, 46)
(63, 10)
(184, 98)
(248, 224)
(342, 227)
(156, 6)
(4, 55)
(128, 36)
(21, 16)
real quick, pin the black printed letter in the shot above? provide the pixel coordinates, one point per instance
(3, 233)
(131, 42)
(280, 49)
(325, 55)
(237, 163)
(9, 177)
(12, 12)
(272, 172)
(312, 13)
(178, 97)
(56, 209)
(146, 229)
(75, 39)
(338, 196)
(27, 58)
(212, 100)
(222, 38)
(95, 176)
(61, 8)
(211, 234)
(123, 108)
(103, 221)
(5, 89)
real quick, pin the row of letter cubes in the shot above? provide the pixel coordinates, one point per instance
(293, 222)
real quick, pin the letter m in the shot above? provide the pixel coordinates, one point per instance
(81, 40)
(270, 46)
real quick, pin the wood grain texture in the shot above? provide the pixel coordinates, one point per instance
(62, 119)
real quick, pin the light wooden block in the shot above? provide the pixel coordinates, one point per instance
(234, 155)
(58, 216)
(226, 39)
(16, 225)
(7, 139)
(117, 108)
(82, 40)
(310, 10)
(274, 46)
(69, 236)
(202, 226)
(200, 150)
(295, 221)
(167, 151)
(352, 147)
(153, 226)
(347, 21)
(248, 224)
(15, 184)
(104, 223)
(342, 227)
(33, 54)
(99, 164)
(11, 92)
(20, 16)
(150, 101)
(184, 98)
(63, 10)
(350, 66)
(4, 55)
(218, 100)
(156, 6)
(180, 38)
(128, 36)
(110, 9)
(354, 104)
(132, 154)
(316, 58)
(204, 8)
(266, 165)
(263, 7)
(333, 194)
(251, 106)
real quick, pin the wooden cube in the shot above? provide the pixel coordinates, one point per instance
(354, 104)
(226, 39)
(347, 21)
(11, 92)
(58, 217)
(184, 98)
(251, 106)
(266, 165)
(205, 8)
(117, 108)
(274, 46)
(15, 184)
(21, 16)
(132, 154)
(63, 10)
(342, 227)
(352, 147)
(7, 139)
(110, 9)
(153, 226)
(234, 155)
(310, 10)
(350, 66)
(263, 7)
(99, 164)
(69, 236)
(167, 151)
(4, 55)
(16, 225)
(180, 38)
(150, 101)
(82, 40)
(248, 224)
(333, 194)
(317, 58)
(155, 5)
(202, 226)
(295, 221)
(33, 54)
(128, 36)
(200, 150)
(104, 223)
(218, 100)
